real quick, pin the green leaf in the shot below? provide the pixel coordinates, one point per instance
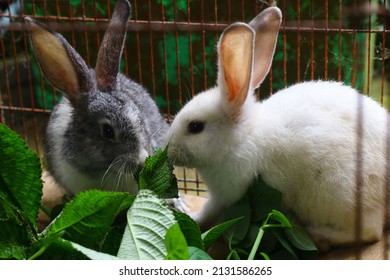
(300, 239)
(157, 175)
(250, 237)
(237, 233)
(149, 219)
(16, 233)
(41, 246)
(112, 240)
(197, 254)
(17, 252)
(233, 255)
(87, 218)
(20, 173)
(61, 249)
(264, 255)
(263, 199)
(127, 202)
(284, 242)
(92, 254)
(281, 218)
(190, 229)
(210, 236)
(176, 244)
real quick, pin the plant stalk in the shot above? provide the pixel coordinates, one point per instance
(256, 244)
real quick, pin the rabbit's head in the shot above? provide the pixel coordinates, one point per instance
(105, 121)
(207, 129)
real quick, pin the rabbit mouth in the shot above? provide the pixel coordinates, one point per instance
(121, 174)
(178, 157)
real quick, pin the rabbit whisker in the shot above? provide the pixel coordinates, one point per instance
(124, 174)
(109, 171)
(121, 175)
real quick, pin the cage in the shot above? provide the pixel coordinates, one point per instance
(170, 49)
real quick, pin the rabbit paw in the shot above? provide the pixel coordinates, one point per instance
(196, 216)
(179, 204)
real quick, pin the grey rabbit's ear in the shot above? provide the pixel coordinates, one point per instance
(266, 25)
(110, 52)
(60, 63)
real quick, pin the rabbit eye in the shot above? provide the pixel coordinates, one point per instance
(107, 131)
(195, 127)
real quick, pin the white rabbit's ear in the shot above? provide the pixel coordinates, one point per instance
(110, 52)
(60, 63)
(235, 65)
(266, 25)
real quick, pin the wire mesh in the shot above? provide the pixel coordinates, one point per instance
(170, 49)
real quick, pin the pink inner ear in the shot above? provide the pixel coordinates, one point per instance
(236, 50)
(54, 61)
(235, 84)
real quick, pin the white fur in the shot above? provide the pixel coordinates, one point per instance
(315, 142)
(303, 141)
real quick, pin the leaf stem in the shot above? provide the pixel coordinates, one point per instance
(38, 253)
(273, 226)
(259, 236)
(256, 244)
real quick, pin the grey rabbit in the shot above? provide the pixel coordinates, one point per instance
(106, 125)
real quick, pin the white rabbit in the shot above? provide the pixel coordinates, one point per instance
(318, 142)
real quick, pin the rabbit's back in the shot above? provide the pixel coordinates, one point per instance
(326, 127)
(324, 141)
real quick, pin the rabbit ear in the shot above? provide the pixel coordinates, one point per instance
(110, 52)
(60, 63)
(266, 25)
(235, 64)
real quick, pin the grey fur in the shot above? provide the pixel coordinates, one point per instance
(77, 153)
